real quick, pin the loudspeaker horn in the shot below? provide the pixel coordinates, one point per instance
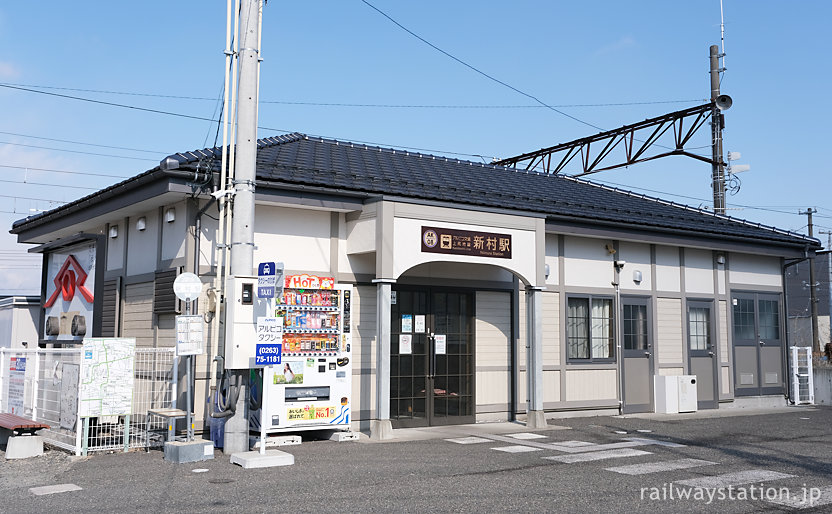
(724, 102)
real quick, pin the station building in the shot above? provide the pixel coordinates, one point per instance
(480, 292)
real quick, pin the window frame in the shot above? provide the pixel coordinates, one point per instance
(710, 327)
(612, 319)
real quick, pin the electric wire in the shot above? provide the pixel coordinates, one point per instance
(367, 105)
(80, 143)
(77, 151)
(202, 118)
(50, 170)
(477, 70)
(50, 185)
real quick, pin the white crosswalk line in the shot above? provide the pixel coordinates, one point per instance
(469, 440)
(599, 455)
(573, 444)
(656, 467)
(516, 449)
(806, 497)
(527, 435)
(581, 447)
(52, 489)
(739, 478)
(656, 442)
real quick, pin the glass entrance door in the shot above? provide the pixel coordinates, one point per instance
(431, 358)
(758, 346)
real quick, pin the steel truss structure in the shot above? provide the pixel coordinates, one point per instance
(636, 139)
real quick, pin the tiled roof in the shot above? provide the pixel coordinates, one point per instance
(298, 160)
(311, 161)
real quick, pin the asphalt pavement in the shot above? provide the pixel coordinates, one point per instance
(728, 461)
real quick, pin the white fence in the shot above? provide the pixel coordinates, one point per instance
(43, 383)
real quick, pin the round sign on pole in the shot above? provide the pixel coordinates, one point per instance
(187, 287)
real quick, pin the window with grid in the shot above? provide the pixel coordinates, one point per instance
(635, 326)
(699, 327)
(744, 318)
(589, 329)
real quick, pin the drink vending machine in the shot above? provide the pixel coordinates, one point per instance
(311, 388)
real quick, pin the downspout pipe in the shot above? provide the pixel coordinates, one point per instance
(786, 309)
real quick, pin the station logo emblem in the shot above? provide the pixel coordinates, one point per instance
(430, 238)
(70, 277)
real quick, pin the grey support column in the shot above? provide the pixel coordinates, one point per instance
(534, 357)
(380, 427)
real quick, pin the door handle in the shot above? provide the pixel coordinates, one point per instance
(432, 350)
(762, 343)
(710, 354)
(647, 354)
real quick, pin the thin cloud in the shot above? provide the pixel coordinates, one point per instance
(624, 43)
(8, 70)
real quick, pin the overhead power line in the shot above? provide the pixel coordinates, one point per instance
(477, 70)
(91, 174)
(200, 118)
(156, 152)
(77, 151)
(112, 104)
(63, 186)
(364, 104)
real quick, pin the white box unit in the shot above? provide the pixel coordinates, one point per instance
(688, 398)
(666, 394)
(242, 310)
(675, 394)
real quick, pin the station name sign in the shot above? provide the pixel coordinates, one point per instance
(466, 242)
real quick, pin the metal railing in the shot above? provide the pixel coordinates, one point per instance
(44, 387)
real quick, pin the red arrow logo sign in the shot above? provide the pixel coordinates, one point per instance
(67, 281)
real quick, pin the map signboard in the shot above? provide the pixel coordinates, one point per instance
(17, 384)
(107, 376)
(189, 335)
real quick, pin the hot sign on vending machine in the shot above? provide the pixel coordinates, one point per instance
(311, 388)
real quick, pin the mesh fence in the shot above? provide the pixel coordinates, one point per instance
(42, 384)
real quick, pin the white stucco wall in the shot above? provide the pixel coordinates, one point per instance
(754, 269)
(175, 233)
(587, 263)
(115, 248)
(300, 238)
(637, 257)
(142, 245)
(668, 277)
(551, 259)
(699, 271)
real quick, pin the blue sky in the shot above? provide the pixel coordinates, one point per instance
(649, 53)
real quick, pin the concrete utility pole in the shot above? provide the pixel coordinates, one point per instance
(813, 288)
(242, 225)
(717, 170)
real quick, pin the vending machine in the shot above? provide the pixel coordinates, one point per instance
(311, 388)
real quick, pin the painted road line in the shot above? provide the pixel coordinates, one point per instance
(806, 498)
(52, 489)
(739, 478)
(656, 442)
(516, 449)
(605, 454)
(574, 444)
(630, 443)
(469, 440)
(527, 435)
(656, 467)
